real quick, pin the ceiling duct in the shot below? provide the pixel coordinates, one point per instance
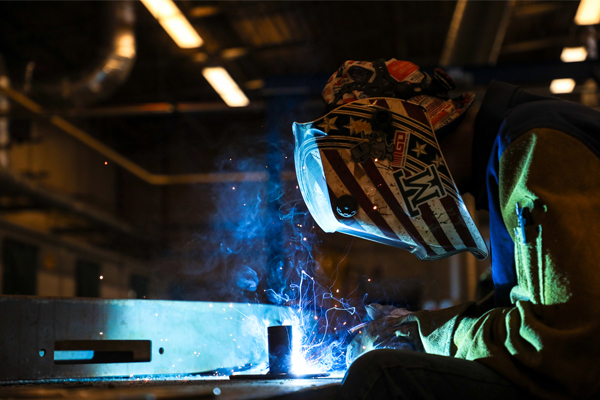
(105, 73)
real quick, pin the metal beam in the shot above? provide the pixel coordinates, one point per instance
(476, 32)
(124, 338)
(124, 162)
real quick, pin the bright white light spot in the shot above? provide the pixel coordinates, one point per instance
(173, 21)
(126, 45)
(101, 277)
(588, 12)
(562, 85)
(102, 333)
(376, 159)
(364, 347)
(573, 54)
(105, 162)
(369, 280)
(156, 315)
(210, 305)
(304, 239)
(337, 291)
(230, 305)
(233, 188)
(225, 86)
(374, 207)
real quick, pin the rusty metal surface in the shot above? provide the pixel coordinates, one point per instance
(186, 337)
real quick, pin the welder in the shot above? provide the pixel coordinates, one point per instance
(388, 162)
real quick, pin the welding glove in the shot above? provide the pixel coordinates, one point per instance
(389, 328)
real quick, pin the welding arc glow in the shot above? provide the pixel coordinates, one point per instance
(257, 218)
(312, 350)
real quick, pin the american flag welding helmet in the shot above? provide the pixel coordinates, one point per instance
(373, 168)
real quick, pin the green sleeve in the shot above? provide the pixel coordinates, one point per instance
(549, 341)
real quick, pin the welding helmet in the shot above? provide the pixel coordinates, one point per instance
(371, 167)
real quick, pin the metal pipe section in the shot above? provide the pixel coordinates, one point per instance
(280, 349)
(107, 72)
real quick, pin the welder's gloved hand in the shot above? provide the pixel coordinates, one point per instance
(390, 328)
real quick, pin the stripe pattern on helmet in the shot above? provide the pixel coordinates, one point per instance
(415, 205)
(380, 211)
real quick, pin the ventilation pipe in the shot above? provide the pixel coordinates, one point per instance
(106, 73)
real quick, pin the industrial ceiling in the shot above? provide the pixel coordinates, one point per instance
(277, 51)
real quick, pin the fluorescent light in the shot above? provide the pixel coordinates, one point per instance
(573, 54)
(562, 85)
(174, 22)
(588, 12)
(229, 91)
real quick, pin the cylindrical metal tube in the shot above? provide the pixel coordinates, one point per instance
(280, 349)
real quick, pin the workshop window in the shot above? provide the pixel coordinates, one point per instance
(88, 279)
(20, 268)
(138, 285)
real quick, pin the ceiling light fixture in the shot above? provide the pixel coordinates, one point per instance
(562, 86)
(573, 54)
(588, 12)
(223, 84)
(174, 22)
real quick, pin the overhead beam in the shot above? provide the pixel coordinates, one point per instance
(476, 32)
(126, 163)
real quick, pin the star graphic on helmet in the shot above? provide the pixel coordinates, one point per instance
(419, 149)
(438, 161)
(328, 124)
(359, 126)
